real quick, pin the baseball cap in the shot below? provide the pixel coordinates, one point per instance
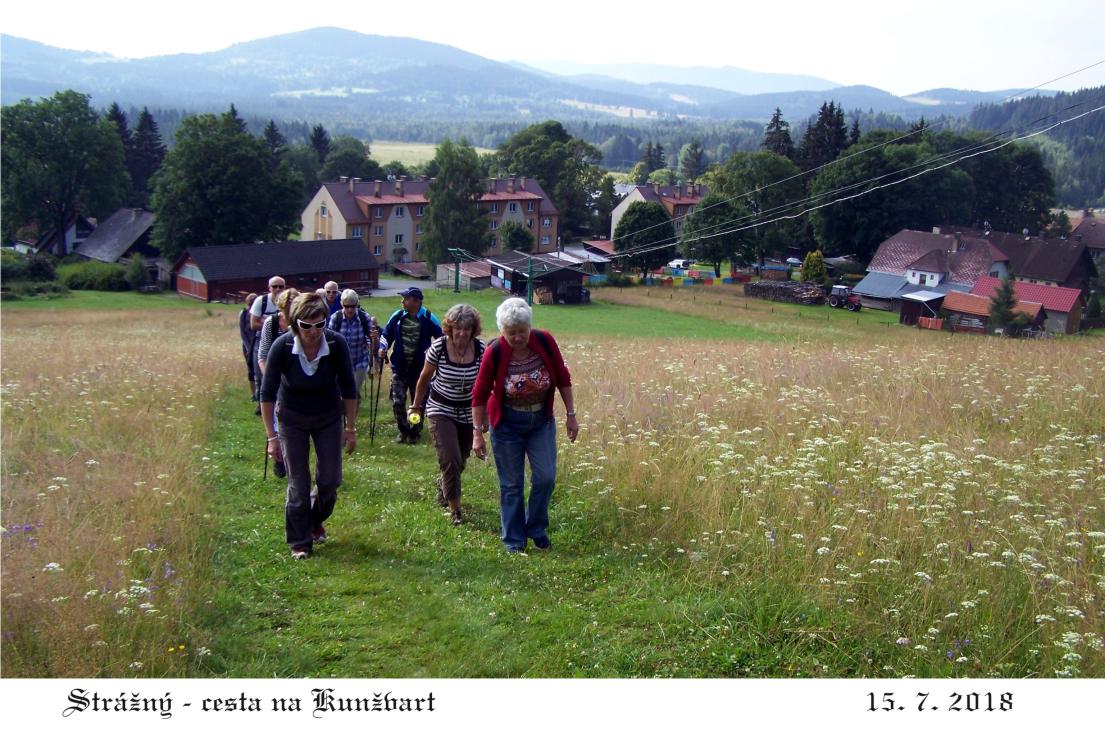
(412, 291)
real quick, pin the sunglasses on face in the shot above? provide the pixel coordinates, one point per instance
(328, 291)
(303, 325)
(348, 306)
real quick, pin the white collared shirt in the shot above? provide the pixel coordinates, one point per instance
(309, 366)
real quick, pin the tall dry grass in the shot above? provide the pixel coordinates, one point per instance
(940, 494)
(103, 550)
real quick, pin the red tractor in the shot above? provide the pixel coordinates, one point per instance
(842, 297)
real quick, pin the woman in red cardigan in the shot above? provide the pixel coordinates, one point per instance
(514, 394)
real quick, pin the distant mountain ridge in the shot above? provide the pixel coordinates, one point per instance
(332, 74)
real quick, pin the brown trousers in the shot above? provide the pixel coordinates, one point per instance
(454, 444)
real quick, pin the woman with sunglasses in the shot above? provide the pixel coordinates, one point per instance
(309, 386)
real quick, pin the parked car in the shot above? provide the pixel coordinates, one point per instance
(680, 263)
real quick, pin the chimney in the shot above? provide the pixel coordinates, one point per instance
(678, 191)
(492, 185)
(342, 179)
(353, 181)
(376, 188)
(936, 231)
(510, 185)
(522, 183)
(398, 187)
(656, 189)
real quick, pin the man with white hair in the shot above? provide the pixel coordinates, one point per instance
(330, 294)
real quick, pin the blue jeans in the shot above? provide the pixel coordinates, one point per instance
(522, 434)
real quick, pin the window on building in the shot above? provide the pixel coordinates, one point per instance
(418, 229)
(400, 211)
(378, 231)
(378, 212)
(494, 242)
(322, 211)
(377, 249)
(545, 222)
(363, 275)
(358, 232)
(320, 236)
(529, 206)
(994, 274)
(494, 207)
(494, 224)
(398, 238)
(420, 211)
(544, 240)
(513, 206)
(529, 222)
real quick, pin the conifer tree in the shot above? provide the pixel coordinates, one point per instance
(824, 139)
(147, 153)
(276, 140)
(777, 136)
(320, 141)
(1002, 306)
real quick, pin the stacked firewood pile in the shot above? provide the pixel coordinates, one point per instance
(792, 292)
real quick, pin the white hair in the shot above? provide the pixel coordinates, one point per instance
(328, 284)
(350, 296)
(321, 292)
(513, 312)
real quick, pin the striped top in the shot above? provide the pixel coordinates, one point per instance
(451, 388)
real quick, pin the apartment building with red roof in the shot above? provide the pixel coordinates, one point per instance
(388, 216)
(678, 199)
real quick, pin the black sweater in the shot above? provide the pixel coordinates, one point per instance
(286, 383)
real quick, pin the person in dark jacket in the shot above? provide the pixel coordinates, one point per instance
(515, 391)
(309, 385)
(409, 332)
(248, 335)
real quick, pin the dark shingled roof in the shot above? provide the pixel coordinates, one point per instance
(1092, 233)
(1044, 259)
(898, 253)
(262, 260)
(111, 239)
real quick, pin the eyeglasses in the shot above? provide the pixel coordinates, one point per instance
(348, 306)
(310, 325)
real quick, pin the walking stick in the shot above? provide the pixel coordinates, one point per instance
(265, 474)
(376, 403)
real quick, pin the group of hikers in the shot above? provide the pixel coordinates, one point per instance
(307, 358)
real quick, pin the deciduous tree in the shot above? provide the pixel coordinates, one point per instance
(453, 217)
(349, 157)
(646, 233)
(515, 236)
(217, 186)
(708, 231)
(58, 158)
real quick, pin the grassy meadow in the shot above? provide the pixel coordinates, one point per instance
(410, 154)
(759, 490)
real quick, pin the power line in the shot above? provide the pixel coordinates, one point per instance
(646, 249)
(921, 130)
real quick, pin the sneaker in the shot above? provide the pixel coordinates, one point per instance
(278, 469)
(257, 411)
(319, 534)
(300, 553)
(516, 551)
(543, 543)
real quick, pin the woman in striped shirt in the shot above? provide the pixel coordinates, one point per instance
(445, 390)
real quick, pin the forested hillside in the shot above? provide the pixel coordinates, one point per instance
(1074, 151)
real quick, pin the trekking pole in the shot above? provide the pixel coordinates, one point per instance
(376, 401)
(265, 473)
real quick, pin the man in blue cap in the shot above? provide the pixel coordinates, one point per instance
(409, 332)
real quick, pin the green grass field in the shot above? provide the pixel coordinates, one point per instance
(759, 490)
(411, 154)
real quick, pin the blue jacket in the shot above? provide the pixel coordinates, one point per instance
(431, 328)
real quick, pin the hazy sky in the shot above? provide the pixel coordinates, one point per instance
(896, 46)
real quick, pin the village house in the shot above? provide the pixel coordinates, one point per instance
(678, 199)
(388, 216)
(912, 261)
(1061, 307)
(227, 273)
(1090, 232)
(555, 279)
(121, 237)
